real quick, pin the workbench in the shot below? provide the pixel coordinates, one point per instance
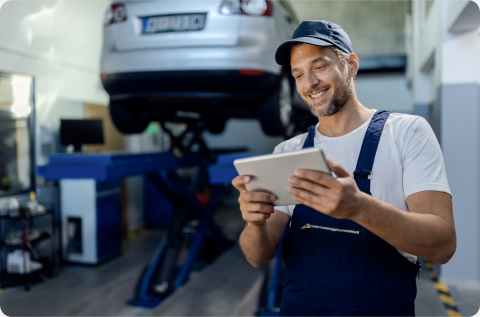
(90, 197)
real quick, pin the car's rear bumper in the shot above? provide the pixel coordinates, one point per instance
(220, 92)
(184, 84)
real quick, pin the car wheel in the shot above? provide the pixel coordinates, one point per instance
(275, 113)
(126, 118)
(216, 126)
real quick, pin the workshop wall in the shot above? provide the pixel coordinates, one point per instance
(113, 139)
(384, 91)
(444, 76)
(374, 27)
(59, 43)
(243, 133)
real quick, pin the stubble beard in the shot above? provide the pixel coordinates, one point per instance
(339, 100)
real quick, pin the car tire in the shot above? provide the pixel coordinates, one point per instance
(126, 118)
(275, 113)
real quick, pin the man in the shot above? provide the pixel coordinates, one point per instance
(354, 239)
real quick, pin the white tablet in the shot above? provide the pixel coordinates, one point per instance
(270, 172)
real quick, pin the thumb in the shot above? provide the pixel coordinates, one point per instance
(338, 169)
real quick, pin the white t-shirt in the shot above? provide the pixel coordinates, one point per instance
(408, 159)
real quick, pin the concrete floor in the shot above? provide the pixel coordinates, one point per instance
(228, 287)
(78, 286)
(466, 294)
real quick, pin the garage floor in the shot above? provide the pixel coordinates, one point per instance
(228, 287)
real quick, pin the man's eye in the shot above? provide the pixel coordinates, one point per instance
(319, 67)
(298, 76)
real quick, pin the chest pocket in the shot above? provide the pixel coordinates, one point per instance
(333, 255)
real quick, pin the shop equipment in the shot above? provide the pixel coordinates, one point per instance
(79, 132)
(90, 209)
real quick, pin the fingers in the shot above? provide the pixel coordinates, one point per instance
(316, 177)
(304, 194)
(308, 203)
(255, 212)
(261, 197)
(338, 169)
(255, 218)
(310, 199)
(257, 202)
(257, 208)
(308, 185)
(240, 181)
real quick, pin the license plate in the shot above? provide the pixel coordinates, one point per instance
(173, 23)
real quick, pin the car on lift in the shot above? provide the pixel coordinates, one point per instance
(197, 60)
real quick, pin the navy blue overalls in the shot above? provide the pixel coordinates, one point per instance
(336, 267)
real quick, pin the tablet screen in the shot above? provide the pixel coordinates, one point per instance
(270, 172)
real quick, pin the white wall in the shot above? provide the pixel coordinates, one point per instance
(445, 72)
(243, 133)
(459, 93)
(57, 42)
(388, 91)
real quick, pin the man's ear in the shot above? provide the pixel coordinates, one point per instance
(354, 64)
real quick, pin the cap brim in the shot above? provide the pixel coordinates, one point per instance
(282, 55)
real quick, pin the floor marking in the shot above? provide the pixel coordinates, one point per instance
(443, 292)
(453, 313)
(136, 233)
(441, 287)
(447, 299)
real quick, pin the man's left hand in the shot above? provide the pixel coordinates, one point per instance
(336, 197)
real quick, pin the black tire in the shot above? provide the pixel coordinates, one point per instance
(275, 113)
(216, 126)
(126, 117)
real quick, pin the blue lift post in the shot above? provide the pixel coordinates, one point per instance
(163, 261)
(223, 173)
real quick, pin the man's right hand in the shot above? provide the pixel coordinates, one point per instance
(256, 207)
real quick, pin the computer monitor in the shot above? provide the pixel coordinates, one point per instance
(78, 132)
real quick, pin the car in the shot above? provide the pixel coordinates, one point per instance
(198, 60)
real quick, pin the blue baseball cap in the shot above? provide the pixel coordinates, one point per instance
(320, 33)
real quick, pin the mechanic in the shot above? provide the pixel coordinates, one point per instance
(354, 238)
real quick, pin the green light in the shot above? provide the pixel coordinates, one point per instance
(153, 127)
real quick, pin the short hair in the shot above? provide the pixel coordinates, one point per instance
(343, 57)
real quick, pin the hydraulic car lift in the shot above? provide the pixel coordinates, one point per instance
(192, 239)
(192, 226)
(192, 222)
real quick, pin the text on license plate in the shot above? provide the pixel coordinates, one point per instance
(173, 23)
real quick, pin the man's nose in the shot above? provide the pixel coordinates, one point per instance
(313, 80)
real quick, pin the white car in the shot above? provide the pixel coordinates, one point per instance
(197, 60)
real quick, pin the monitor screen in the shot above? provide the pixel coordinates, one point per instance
(78, 132)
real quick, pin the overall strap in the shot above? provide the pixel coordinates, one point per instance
(370, 145)
(309, 141)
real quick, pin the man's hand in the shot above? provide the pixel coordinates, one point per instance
(256, 207)
(336, 197)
